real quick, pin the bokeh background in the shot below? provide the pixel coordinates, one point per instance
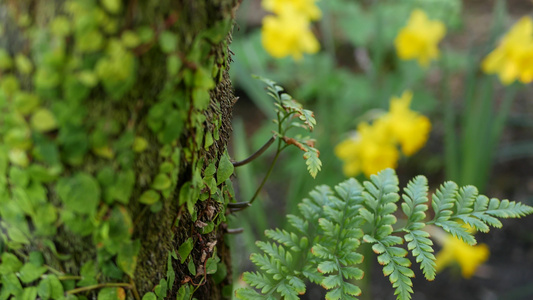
(487, 124)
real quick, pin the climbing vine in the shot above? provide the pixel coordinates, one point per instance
(112, 137)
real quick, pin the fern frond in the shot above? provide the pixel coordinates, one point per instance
(321, 244)
(421, 247)
(341, 234)
(395, 264)
(379, 199)
(443, 201)
(414, 207)
(508, 209)
(314, 164)
(415, 199)
(286, 238)
(250, 294)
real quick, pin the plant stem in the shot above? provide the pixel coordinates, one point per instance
(98, 286)
(267, 174)
(257, 153)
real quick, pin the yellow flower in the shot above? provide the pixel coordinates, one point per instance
(288, 34)
(306, 8)
(419, 39)
(370, 151)
(408, 127)
(468, 257)
(513, 58)
(375, 146)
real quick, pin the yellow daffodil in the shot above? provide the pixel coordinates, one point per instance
(419, 39)
(375, 146)
(410, 128)
(288, 34)
(468, 257)
(513, 58)
(306, 8)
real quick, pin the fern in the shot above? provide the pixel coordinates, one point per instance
(414, 207)
(322, 241)
(291, 114)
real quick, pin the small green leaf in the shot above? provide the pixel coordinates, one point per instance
(23, 64)
(88, 274)
(60, 26)
(211, 264)
(171, 275)
(173, 64)
(5, 60)
(161, 289)
(80, 193)
(9, 264)
(112, 6)
(201, 98)
(161, 182)
(139, 144)
(130, 39)
(111, 293)
(184, 293)
(150, 296)
(127, 257)
(191, 267)
(29, 293)
(225, 168)
(30, 272)
(185, 249)
(168, 41)
(149, 197)
(43, 120)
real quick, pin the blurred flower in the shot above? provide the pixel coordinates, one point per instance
(375, 146)
(513, 58)
(370, 151)
(468, 257)
(419, 39)
(410, 128)
(287, 31)
(306, 8)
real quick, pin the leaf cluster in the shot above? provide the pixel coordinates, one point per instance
(291, 114)
(322, 241)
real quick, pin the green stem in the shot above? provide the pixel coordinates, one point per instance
(278, 151)
(98, 286)
(69, 277)
(257, 153)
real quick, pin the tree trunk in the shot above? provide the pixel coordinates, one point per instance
(114, 120)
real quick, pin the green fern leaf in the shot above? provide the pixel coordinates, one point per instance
(286, 238)
(421, 248)
(443, 201)
(260, 281)
(249, 294)
(395, 264)
(508, 209)
(286, 291)
(314, 165)
(300, 224)
(415, 199)
(379, 199)
(414, 207)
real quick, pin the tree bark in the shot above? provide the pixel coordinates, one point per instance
(112, 117)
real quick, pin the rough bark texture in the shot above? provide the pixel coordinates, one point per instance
(107, 117)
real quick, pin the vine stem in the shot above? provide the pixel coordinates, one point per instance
(242, 205)
(268, 173)
(99, 286)
(257, 153)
